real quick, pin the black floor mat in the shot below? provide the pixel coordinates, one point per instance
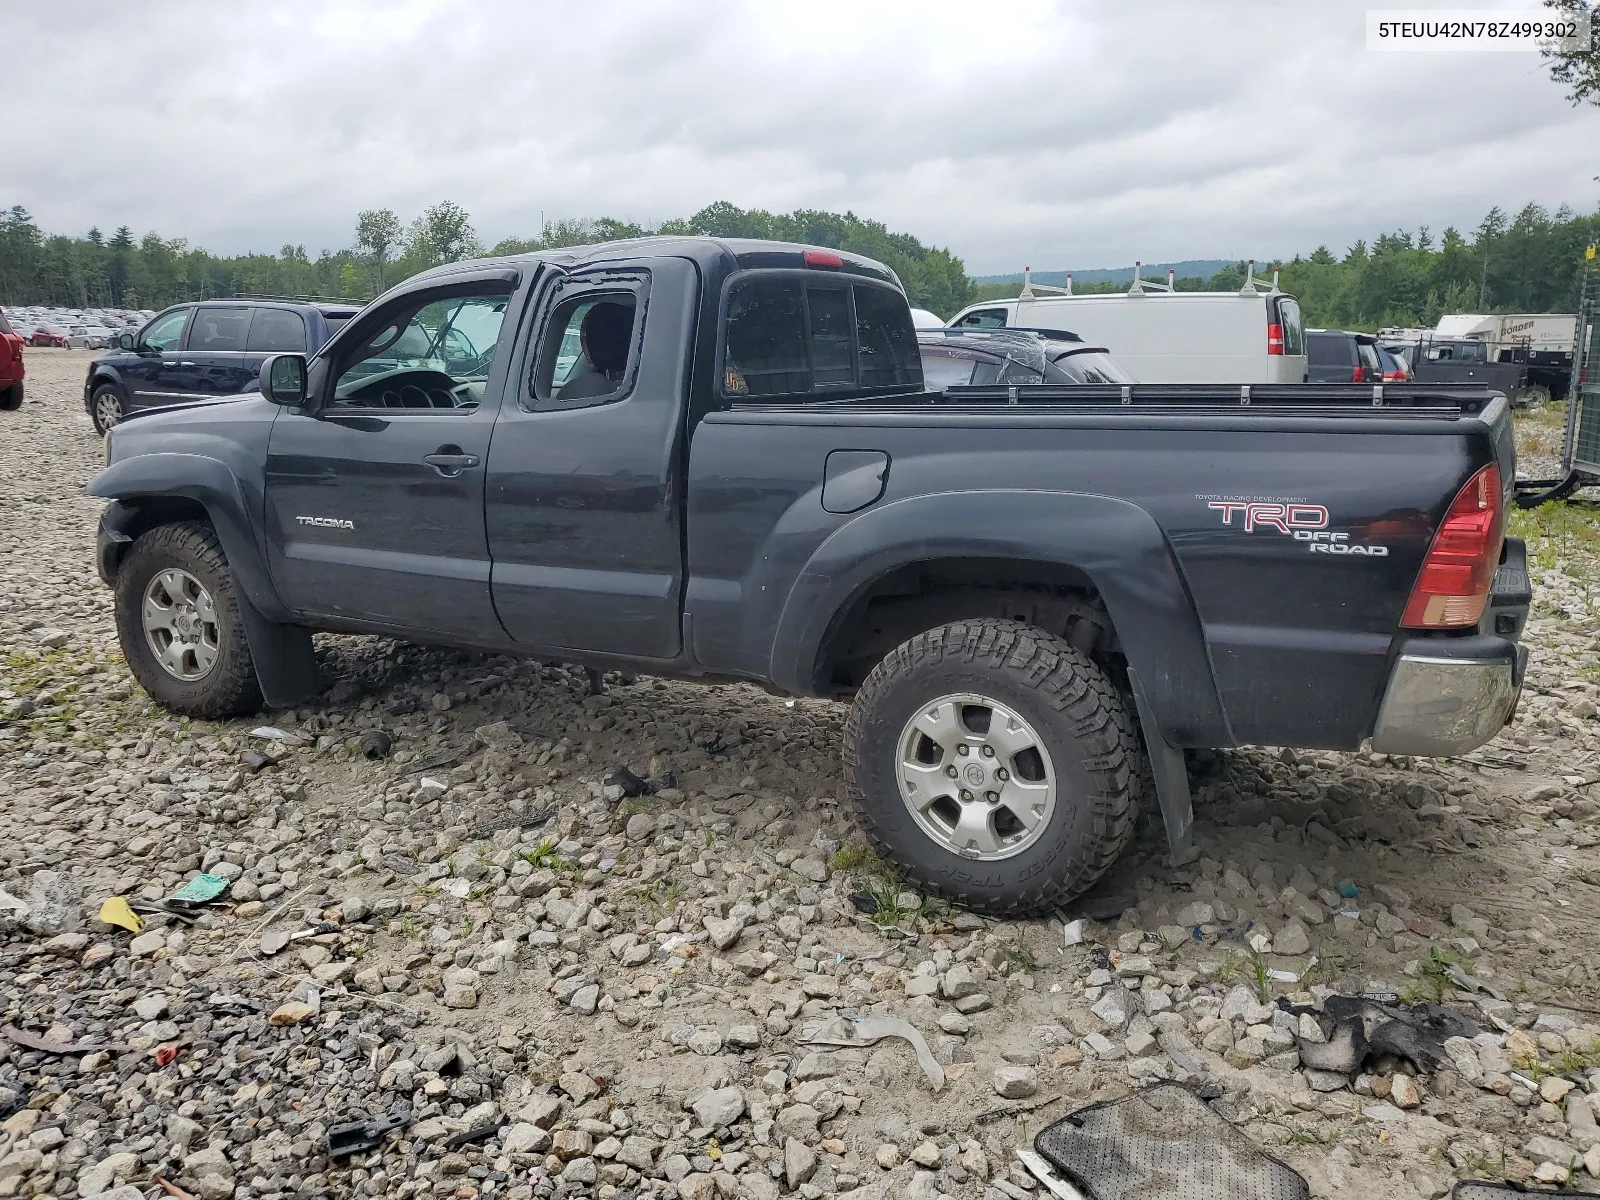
(1164, 1143)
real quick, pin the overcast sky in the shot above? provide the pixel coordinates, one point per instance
(1017, 132)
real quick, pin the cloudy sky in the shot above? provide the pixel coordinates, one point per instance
(1017, 132)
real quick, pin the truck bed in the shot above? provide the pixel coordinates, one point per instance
(1161, 496)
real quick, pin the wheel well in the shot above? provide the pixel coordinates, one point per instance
(145, 513)
(924, 595)
(100, 381)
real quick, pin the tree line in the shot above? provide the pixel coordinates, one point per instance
(1532, 262)
(152, 271)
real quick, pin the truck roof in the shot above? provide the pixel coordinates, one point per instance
(706, 251)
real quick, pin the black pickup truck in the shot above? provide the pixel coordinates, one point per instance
(716, 460)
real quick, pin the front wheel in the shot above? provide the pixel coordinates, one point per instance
(105, 407)
(179, 624)
(11, 398)
(994, 764)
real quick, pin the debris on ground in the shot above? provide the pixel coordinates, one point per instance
(480, 930)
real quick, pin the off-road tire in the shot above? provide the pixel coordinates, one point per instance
(1083, 722)
(100, 425)
(230, 688)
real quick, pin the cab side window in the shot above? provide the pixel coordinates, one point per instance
(166, 332)
(588, 353)
(984, 318)
(432, 352)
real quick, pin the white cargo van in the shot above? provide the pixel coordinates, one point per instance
(1160, 335)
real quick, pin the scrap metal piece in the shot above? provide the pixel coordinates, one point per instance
(1045, 1174)
(1163, 1143)
(867, 1031)
(354, 1137)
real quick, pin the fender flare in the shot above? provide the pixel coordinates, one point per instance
(281, 650)
(106, 374)
(1117, 544)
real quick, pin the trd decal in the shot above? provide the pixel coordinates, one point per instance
(1285, 517)
(1305, 523)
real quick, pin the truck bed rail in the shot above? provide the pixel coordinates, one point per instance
(1431, 399)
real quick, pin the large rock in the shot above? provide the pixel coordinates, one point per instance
(718, 1108)
(1016, 1083)
(799, 1162)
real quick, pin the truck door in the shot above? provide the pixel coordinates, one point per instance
(583, 505)
(374, 496)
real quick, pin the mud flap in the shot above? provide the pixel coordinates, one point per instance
(1171, 776)
(285, 665)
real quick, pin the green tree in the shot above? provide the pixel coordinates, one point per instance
(377, 234)
(442, 234)
(1578, 68)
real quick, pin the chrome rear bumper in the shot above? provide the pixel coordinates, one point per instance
(1438, 705)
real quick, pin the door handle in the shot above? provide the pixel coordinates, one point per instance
(186, 364)
(450, 461)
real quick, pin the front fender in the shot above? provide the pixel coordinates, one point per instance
(151, 477)
(1118, 545)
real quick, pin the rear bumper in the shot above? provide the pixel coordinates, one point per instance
(1451, 695)
(1440, 704)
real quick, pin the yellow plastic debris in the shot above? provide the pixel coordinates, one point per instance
(115, 911)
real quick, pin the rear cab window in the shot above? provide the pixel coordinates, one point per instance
(792, 335)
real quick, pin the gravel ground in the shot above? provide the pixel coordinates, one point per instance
(480, 932)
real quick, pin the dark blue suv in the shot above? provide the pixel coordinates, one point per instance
(201, 351)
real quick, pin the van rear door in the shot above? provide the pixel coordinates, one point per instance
(1287, 335)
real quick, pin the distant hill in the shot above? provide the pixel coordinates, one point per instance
(1190, 268)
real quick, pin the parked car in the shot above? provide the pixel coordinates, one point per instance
(1248, 336)
(743, 476)
(1394, 368)
(1337, 356)
(194, 352)
(921, 318)
(50, 335)
(958, 357)
(11, 370)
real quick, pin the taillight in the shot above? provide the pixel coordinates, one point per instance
(1358, 374)
(1274, 339)
(1458, 573)
(822, 258)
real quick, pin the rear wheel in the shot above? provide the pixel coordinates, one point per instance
(179, 624)
(995, 764)
(106, 409)
(11, 398)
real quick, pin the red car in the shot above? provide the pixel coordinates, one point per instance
(50, 335)
(10, 366)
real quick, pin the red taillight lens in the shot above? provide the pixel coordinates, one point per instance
(1274, 339)
(1358, 374)
(822, 258)
(1458, 573)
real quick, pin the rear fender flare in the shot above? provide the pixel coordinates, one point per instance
(1118, 545)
